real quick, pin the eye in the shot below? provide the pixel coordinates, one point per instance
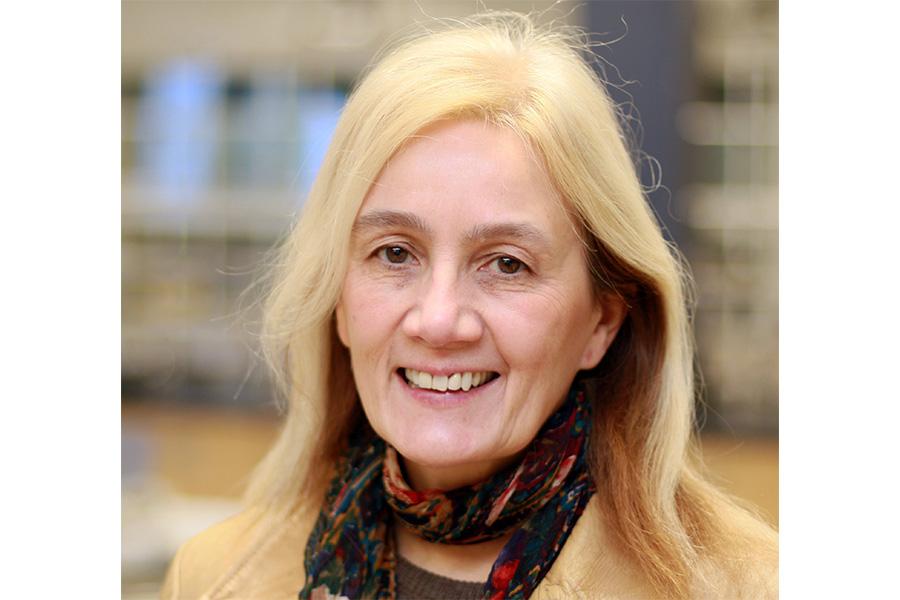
(509, 265)
(395, 254)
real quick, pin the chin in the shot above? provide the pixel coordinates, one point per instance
(445, 457)
(442, 446)
(438, 447)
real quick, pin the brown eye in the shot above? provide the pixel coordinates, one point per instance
(395, 254)
(509, 265)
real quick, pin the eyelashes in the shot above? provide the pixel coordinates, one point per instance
(398, 256)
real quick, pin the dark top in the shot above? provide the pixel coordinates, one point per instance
(414, 583)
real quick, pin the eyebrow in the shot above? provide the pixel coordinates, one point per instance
(387, 219)
(384, 219)
(522, 232)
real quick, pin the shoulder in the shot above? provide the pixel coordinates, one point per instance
(749, 570)
(591, 565)
(246, 556)
(205, 558)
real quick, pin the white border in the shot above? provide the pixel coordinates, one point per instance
(839, 304)
(59, 191)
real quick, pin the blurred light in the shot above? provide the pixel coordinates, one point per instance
(178, 128)
(318, 117)
(260, 151)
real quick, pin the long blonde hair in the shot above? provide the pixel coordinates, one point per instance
(504, 69)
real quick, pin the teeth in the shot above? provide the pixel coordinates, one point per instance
(439, 382)
(454, 382)
(424, 379)
(466, 382)
(457, 381)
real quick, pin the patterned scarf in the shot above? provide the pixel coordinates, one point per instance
(351, 551)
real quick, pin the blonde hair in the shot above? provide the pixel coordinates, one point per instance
(502, 68)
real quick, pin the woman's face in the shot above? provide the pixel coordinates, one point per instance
(467, 305)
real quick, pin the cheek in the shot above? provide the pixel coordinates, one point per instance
(371, 313)
(534, 331)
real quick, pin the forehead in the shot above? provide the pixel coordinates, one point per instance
(468, 171)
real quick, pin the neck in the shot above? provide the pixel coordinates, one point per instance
(421, 477)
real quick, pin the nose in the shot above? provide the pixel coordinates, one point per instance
(442, 316)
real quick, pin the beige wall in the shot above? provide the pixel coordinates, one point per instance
(211, 452)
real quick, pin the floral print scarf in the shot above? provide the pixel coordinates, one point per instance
(351, 551)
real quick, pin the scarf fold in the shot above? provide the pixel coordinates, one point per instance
(351, 551)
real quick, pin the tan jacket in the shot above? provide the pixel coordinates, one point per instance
(242, 560)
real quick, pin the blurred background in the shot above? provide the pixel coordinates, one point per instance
(227, 109)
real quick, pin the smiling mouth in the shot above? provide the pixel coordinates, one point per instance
(464, 381)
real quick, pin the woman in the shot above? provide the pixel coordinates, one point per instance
(484, 343)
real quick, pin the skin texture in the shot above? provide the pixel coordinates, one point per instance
(463, 259)
(429, 287)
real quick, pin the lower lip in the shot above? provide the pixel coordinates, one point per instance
(448, 399)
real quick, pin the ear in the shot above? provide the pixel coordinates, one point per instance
(340, 321)
(608, 316)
